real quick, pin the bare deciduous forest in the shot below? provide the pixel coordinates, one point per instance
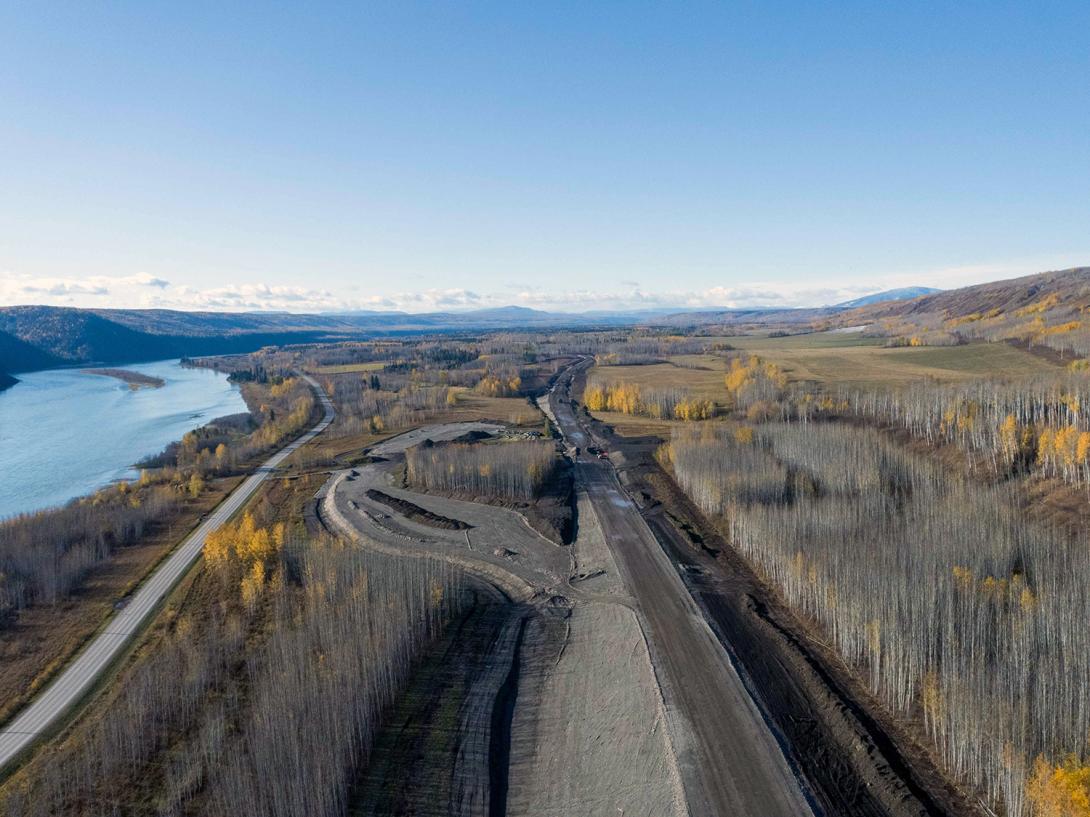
(44, 555)
(514, 470)
(1033, 426)
(959, 610)
(262, 705)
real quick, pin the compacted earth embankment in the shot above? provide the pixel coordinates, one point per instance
(541, 698)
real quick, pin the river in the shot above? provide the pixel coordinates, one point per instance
(65, 433)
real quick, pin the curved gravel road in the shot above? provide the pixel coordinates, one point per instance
(81, 674)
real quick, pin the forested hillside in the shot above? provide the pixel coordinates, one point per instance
(19, 356)
(1044, 310)
(37, 337)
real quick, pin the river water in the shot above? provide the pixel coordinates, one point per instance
(65, 433)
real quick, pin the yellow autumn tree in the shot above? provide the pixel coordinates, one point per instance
(1065, 446)
(738, 375)
(253, 582)
(693, 409)
(217, 547)
(1082, 448)
(595, 397)
(741, 374)
(628, 398)
(195, 485)
(493, 385)
(1008, 435)
(1059, 791)
(623, 397)
(255, 547)
(242, 544)
(1044, 445)
(931, 700)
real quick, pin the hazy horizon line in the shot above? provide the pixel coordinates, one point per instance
(146, 291)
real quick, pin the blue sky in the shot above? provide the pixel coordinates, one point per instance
(566, 156)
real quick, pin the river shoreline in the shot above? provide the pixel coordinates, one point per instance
(65, 434)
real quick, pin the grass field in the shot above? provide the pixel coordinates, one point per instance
(812, 340)
(704, 382)
(827, 358)
(346, 368)
(850, 359)
(633, 425)
(854, 363)
(869, 365)
(512, 410)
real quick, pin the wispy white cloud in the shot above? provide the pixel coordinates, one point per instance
(145, 290)
(150, 292)
(76, 291)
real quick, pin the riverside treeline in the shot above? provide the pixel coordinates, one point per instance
(44, 556)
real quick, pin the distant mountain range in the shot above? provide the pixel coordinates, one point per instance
(40, 337)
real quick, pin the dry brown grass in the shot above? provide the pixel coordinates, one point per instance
(630, 425)
(704, 382)
(346, 368)
(512, 410)
(851, 359)
(876, 366)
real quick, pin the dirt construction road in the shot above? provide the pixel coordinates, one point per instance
(577, 725)
(731, 762)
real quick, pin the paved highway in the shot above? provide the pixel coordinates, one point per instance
(81, 674)
(731, 762)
